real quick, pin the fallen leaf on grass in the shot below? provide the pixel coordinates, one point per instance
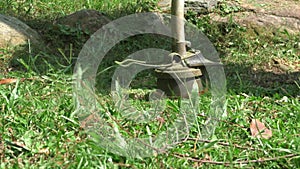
(12, 80)
(258, 129)
(8, 81)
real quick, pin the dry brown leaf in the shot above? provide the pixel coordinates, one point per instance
(258, 129)
(12, 80)
(8, 81)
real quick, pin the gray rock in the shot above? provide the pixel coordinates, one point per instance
(194, 5)
(200, 5)
(14, 33)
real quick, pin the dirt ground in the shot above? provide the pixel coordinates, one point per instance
(281, 14)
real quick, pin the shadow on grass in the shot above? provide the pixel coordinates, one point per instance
(243, 79)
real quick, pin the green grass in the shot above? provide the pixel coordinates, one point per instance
(38, 129)
(53, 9)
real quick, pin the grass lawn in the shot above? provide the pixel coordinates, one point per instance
(38, 128)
